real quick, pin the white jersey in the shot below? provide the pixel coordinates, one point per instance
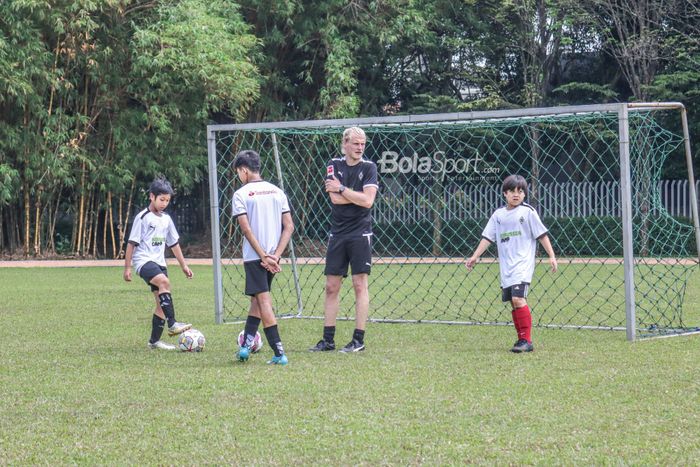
(515, 232)
(264, 204)
(150, 234)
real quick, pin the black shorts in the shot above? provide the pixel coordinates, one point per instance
(355, 251)
(150, 270)
(257, 278)
(517, 290)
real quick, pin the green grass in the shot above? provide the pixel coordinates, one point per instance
(77, 385)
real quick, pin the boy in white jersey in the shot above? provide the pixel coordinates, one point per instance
(263, 214)
(516, 228)
(151, 231)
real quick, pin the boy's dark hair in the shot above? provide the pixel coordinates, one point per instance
(514, 181)
(248, 159)
(160, 186)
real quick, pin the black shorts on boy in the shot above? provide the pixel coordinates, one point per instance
(516, 290)
(150, 270)
(257, 278)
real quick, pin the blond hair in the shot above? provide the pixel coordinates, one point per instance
(349, 133)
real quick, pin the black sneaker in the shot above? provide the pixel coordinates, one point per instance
(353, 346)
(323, 346)
(522, 345)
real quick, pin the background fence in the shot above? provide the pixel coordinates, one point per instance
(558, 200)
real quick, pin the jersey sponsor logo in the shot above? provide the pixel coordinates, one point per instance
(258, 193)
(340, 174)
(505, 236)
(157, 241)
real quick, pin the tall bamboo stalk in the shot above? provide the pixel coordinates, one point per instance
(37, 221)
(111, 224)
(81, 211)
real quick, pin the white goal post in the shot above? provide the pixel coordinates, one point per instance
(417, 258)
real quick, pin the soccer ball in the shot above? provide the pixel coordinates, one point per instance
(257, 342)
(191, 341)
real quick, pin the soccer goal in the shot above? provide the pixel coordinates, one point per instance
(594, 173)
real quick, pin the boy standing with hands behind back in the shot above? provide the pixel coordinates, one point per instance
(516, 228)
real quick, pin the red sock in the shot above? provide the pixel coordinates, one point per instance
(524, 319)
(516, 322)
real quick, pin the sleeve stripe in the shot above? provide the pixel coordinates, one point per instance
(240, 214)
(174, 244)
(134, 243)
(488, 239)
(545, 233)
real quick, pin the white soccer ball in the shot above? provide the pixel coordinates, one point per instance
(257, 342)
(191, 341)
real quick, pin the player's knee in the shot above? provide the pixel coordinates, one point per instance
(263, 300)
(164, 285)
(332, 288)
(519, 302)
(359, 283)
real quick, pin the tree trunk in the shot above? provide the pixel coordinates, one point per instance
(124, 219)
(37, 222)
(81, 212)
(27, 220)
(52, 222)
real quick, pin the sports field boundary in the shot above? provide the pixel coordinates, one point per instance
(80, 263)
(76, 263)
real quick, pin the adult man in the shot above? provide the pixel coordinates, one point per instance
(351, 184)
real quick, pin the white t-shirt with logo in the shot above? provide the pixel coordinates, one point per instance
(150, 234)
(515, 232)
(264, 204)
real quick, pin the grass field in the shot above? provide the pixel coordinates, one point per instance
(77, 385)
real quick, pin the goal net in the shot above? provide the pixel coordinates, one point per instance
(593, 175)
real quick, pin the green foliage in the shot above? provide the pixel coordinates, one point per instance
(95, 96)
(590, 93)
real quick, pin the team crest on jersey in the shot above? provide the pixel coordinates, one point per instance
(252, 193)
(522, 219)
(361, 175)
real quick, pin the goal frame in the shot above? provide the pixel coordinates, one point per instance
(621, 109)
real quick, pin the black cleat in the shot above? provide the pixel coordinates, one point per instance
(323, 346)
(353, 346)
(522, 346)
